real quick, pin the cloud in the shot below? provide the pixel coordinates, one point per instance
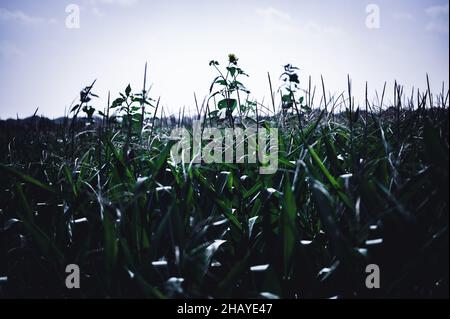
(403, 16)
(8, 50)
(437, 11)
(273, 14)
(21, 17)
(279, 21)
(275, 21)
(95, 5)
(317, 29)
(125, 3)
(438, 19)
(97, 12)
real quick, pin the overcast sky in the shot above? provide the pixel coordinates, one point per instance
(45, 64)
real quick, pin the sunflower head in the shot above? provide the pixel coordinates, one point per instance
(232, 58)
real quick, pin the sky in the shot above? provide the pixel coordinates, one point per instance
(45, 62)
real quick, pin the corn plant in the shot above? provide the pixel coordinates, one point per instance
(351, 190)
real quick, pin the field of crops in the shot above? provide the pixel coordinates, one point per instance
(355, 185)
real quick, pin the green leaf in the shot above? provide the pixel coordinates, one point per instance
(233, 275)
(111, 244)
(232, 70)
(75, 108)
(26, 178)
(227, 211)
(203, 255)
(286, 98)
(323, 169)
(436, 152)
(330, 178)
(117, 102)
(228, 104)
(160, 160)
(128, 90)
(288, 224)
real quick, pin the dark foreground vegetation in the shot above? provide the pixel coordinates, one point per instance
(354, 186)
